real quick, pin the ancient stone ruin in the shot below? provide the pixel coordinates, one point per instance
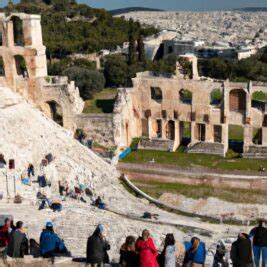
(199, 113)
(24, 69)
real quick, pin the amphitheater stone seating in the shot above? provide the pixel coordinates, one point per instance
(255, 152)
(156, 144)
(206, 148)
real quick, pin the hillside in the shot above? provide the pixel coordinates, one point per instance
(69, 27)
(122, 11)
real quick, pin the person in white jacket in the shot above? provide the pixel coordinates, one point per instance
(169, 251)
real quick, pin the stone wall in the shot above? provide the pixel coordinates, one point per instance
(98, 126)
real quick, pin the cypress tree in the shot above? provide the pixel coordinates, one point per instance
(141, 49)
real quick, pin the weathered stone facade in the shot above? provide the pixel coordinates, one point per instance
(25, 69)
(157, 108)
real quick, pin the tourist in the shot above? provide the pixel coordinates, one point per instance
(30, 170)
(128, 255)
(219, 257)
(97, 248)
(147, 251)
(5, 231)
(168, 255)
(259, 234)
(195, 253)
(241, 251)
(2, 161)
(50, 243)
(18, 242)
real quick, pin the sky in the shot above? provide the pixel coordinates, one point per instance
(194, 5)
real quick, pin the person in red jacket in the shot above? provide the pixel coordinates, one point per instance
(146, 248)
(4, 232)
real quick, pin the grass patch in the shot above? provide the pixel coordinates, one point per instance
(184, 160)
(156, 189)
(103, 102)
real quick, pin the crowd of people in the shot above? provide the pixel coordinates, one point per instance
(247, 251)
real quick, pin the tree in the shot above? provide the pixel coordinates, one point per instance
(116, 71)
(141, 49)
(132, 43)
(88, 81)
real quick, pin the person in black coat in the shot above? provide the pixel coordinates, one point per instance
(18, 242)
(97, 247)
(241, 251)
(128, 254)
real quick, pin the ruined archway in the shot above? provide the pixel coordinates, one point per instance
(237, 100)
(216, 97)
(258, 100)
(21, 66)
(170, 130)
(236, 138)
(200, 132)
(257, 136)
(185, 133)
(56, 112)
(156, 94)
(185, 96)
(18, 31)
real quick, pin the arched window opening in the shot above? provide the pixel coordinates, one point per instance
(21, 66)
(56, 112)
(170, 130)
(185, 133)
(217, 133)
(2, 67)
(238, 100)
(236, 138)
(258, 100)
(18, 31)
(257, 136)
(200, 132)
(185, 96)
(156, 94)
(216, 97)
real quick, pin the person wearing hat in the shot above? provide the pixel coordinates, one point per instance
(50, 243)
(97, 247)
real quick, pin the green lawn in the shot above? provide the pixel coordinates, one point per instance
(103, 102)
(185, 160)
(156, 189)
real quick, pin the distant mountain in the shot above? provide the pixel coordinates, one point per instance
(252, 9)
(131, 9)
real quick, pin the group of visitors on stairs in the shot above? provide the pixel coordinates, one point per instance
(138, 253)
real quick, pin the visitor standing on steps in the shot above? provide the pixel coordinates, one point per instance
(168, 256)
(97, 247)
(259, 235)
(147, 251)
(241, 251)
(128, 255)
(195, 255)
(18, 242)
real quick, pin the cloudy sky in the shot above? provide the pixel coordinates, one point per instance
(172, 4)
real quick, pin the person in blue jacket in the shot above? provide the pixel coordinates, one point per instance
(195, 253)
(50, 243)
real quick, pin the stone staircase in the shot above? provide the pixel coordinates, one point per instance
(255, 152)
(206, 148)
(156, 144)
